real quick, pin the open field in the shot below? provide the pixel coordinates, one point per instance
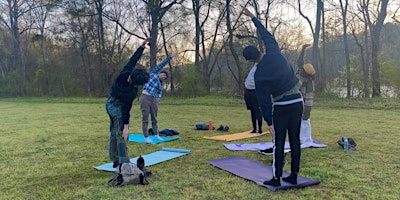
(49, 147)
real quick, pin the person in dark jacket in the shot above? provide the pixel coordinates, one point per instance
(281, 103)
(119, 103)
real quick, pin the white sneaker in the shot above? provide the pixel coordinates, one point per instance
(158, 137)
(148, 140)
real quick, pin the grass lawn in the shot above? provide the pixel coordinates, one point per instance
(50, 146)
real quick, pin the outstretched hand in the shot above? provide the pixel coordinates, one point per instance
(247, 12)
(146, 41)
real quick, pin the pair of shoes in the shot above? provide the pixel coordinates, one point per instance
(292, 178)
(148, 140)
(222, 128)
(158, 137)
(267, 152)
(273, 182)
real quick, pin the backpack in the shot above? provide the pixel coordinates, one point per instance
(130, 173)
(169, 132)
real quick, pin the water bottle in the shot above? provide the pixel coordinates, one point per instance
(346, 144)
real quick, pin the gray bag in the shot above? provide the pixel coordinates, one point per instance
(130, 173)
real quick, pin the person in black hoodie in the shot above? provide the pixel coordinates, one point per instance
(277, 90)
(119, 103)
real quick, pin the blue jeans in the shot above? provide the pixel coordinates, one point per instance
(117, 146)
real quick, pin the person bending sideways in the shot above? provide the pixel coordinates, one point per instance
(150, 98)
(281, 103)
(119, 103)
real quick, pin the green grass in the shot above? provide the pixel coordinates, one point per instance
(49, 147)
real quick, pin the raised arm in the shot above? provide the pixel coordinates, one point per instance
(300, 60)
(135, 57)
(269, 40)
(158, 68)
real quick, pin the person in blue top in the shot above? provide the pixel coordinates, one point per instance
(150, 98)
(281, 103)
(119, 103)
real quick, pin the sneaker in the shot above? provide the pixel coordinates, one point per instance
(253, 131)
(226, 128)
(221, 128)
(267, 152)
(158, 137)
(259, 132)
(273, 182)
(115, 164)
(148, 140)
(291, 179)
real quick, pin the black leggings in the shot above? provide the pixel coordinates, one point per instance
(250, 98)
(287, 119)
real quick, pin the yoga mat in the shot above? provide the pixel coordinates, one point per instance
(265, 145)
(257, 172)
(151, 159)
(139, 138)
(235, 136)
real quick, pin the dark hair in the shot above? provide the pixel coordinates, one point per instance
(166, 72)
(139, 77)
(251, 52)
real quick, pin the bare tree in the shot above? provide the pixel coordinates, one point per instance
(375, 28)
(344, 7)
(321, 78)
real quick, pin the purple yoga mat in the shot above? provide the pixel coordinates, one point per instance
(257, 172)
(264, 145)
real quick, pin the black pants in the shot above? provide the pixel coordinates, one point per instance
(287, 119)
(250, 98)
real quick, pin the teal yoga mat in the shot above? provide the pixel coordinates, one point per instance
(139, 138)
(151, 159)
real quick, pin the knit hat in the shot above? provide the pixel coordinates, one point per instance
(309, 69)
(251, 53)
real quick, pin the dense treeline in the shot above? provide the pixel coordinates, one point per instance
(75, 48)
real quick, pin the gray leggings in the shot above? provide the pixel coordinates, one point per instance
(149, 106)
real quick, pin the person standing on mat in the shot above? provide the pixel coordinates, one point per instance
(250, 99)
(306, 74)
(150, 98)
(281, 103)
(119, 103)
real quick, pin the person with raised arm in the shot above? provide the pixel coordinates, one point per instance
(119, 103)
(281, 103)
(306, 74)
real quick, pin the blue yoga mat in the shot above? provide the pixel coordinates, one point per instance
(139, 138)
(257, 172)
(151, 159)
